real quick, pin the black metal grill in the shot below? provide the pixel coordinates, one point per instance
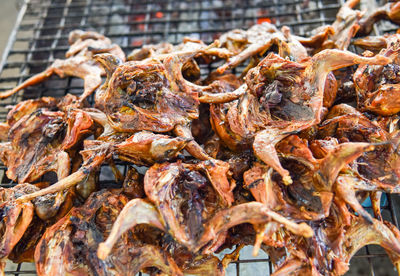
(41, 32)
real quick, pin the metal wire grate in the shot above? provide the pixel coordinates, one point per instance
(41, 32)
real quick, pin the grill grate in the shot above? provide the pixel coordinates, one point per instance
(41, 32)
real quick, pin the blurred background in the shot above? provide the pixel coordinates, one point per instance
(8, 15)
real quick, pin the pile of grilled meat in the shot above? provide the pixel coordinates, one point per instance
(280, 157)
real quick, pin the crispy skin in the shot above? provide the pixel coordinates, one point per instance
(170, 186)
(39, 141)
(15, 217)
(35, 143)
(339, 34)
(147, 148)
(378, 87)
(145, 104)
(334, 244)
(270, 160)
(74, 240)
(153, 94)
(185, 206)
(24, 250)
(22, 109)
(378, 166)
(374, 171)
(281, 96)
(389, 11)
(78, 62)
(310, 195)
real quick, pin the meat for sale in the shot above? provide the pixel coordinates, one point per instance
(378, 87)
(153, 95)
(185, 205)
(282, 96)
(279, 154)
(390, 11)
(334, 244)
(15, 218)
(38, 143)
(78, 62)
(339, 34)
(69, 246)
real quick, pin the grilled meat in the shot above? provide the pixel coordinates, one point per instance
(78, 62)
(377, 87)
(15, 217)
(281, 96)
(339, 34)
(186, 206)
(390, 11)
(153, 95)
(374, 171)
(277, 157)
(74, 240)
(334, 244)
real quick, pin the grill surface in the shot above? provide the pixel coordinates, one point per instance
(41, 32)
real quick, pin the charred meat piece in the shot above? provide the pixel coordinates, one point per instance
(378, 87)
(95, 153)
(245, 44)
(29, 106)
(187, 207)
(153, 95)
(78, 62)
(346, 92)
(15, 217)
(38, 143)
(201, 127)
(346, 123)
(142, 148)
(310, 195)
(25, 108)
(22, 109)
(390, 11)
(378, 166)
(334, 244)
(24, 250)
(133, 184)
(281, 96)
(69, 246)
(188, 195)
(377, 43)
(254, 42)
(373, 171)
(137, 99)
(150, 50)
(339, 34)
